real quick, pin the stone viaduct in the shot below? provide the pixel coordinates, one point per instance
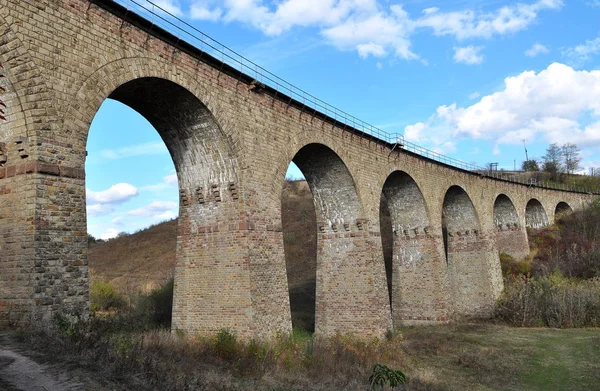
(231, 140)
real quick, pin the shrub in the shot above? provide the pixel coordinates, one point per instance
(512, 267)
(104, 297)
(226, 345)
(550, 300)
(157, 306)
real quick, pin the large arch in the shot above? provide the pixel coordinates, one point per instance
(410, 252)
(473, 263)
(535, 215)
(350, 296)
(511, 237)
(215, 285)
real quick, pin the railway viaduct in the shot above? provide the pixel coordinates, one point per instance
(232, 137)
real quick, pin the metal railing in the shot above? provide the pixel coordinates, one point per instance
(184, 31)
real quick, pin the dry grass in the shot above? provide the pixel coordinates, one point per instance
(136, 263)
(451, 357)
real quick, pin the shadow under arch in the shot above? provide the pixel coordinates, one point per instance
(349, 282)
(535, 215)
(511, 237)
(473, 263)
(562, 209)
(410, 251)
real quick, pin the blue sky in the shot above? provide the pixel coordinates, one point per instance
(470, 79)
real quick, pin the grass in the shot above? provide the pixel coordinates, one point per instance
(479, 356)
(497, 357)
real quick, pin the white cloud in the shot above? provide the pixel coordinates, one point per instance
(445, 148)
(536, 49)
(373, 49)
(578, 55)
(157, 148)
(166, 215)
(99, 209)
(109, 234)
(116, 194)
(470, 24)
(550, 104)
(154, 209)
(378, 35)
(171, 6)
(430, 10)
(468, 55)
(205, 10)
(414, 132)
(169, 181)
(474, 95)
(368, 26)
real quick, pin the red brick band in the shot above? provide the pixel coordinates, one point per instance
(35, 167)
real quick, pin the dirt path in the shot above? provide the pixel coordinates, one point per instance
(18, 372)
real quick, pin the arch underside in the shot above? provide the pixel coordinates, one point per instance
(535, 215)
(473, 263)
(214, 250)
(344, 250)
(411, 252)
(511, 237)
(562, 208)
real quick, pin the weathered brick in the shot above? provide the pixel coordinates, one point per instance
(232, 147)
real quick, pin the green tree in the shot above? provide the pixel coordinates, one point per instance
(571, 157)
(530, 165)
(552, 161)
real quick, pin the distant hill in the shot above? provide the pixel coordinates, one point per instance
(138, 262)
(144, 260)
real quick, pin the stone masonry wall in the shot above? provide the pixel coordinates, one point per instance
(63, 58)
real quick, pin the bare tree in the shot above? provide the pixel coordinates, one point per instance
(552, 161)
(571, 157)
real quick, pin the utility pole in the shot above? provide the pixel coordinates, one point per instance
(525, 146)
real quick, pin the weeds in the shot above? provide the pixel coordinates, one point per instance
(104, 297)
(381, 375)
(550, 300)
(167, 361)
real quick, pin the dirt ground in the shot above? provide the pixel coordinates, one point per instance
(28, 371)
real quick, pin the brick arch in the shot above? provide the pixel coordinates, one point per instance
(201, 143)
(471, 255)
(336, 206)
(535, 214)
(505, 213)
(287, 155)
(510, 235)
(562, 208)
(459, 211)
(103, 82)
(410, 251)
(342, 238)
(337, 203)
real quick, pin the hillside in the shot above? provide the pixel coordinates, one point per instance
(137, 262)
(145, 259)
